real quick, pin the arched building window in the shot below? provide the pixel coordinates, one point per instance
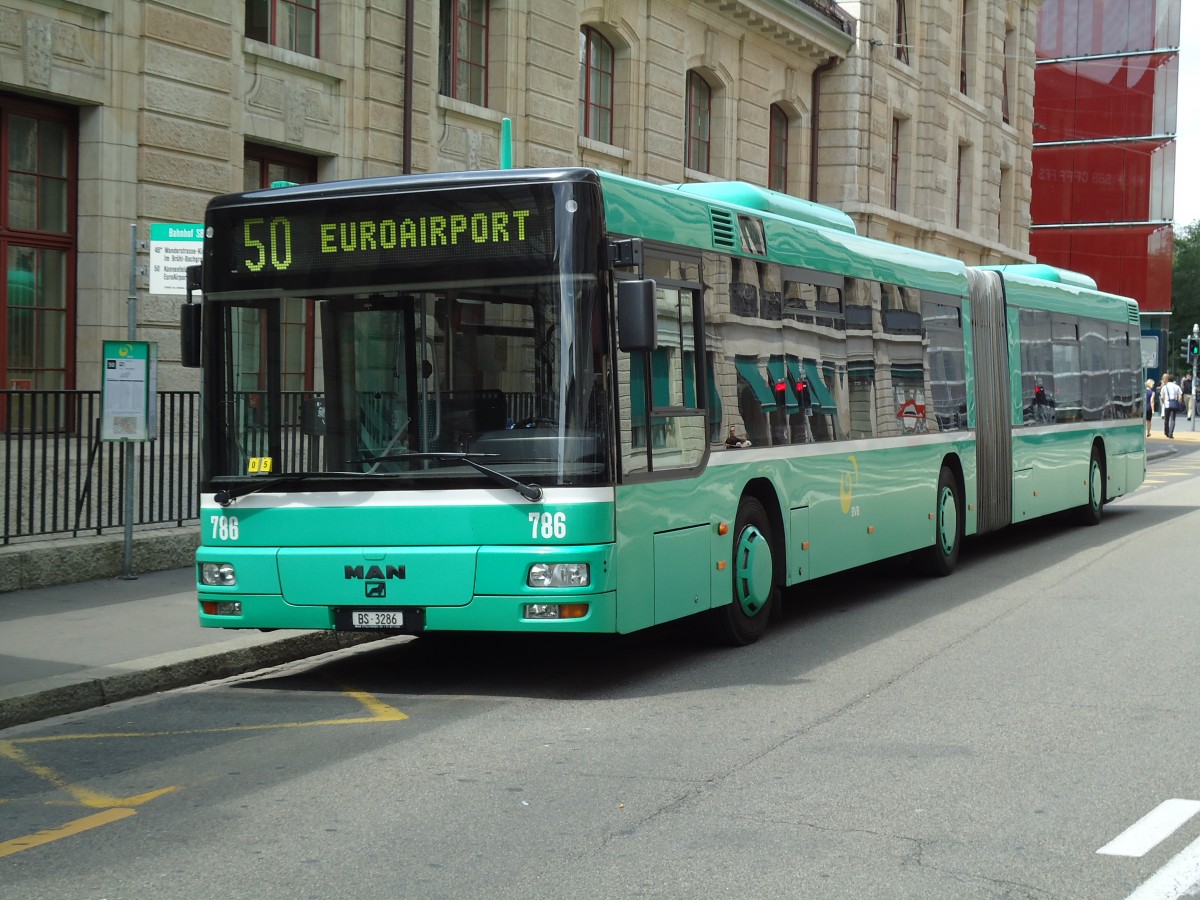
(597, 61)
(777, 164)
(464, 50)
(698, 149)
(38, 235)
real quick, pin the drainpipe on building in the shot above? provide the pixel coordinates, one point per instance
(408, 84)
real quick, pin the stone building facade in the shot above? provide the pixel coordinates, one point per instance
(913, 116)
(925, 127)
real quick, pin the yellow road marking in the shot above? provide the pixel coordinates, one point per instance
(380, 712)
(83, 796)
(116, 808)
(49, 835)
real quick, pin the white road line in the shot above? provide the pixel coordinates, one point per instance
(1152, 828)
(1175, 879)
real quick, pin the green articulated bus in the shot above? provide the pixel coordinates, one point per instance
(568, 401)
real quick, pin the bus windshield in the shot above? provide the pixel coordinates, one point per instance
(435, 386)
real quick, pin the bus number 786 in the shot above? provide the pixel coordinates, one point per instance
(548, 525)
(224, 528)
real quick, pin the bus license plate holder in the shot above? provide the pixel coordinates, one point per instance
(396, 619)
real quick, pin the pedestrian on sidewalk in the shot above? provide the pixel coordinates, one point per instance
(1172, 403)
(1186, 384)
(1151, 397)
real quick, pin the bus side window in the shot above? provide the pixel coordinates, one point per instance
(1038, 367)
(676, 435)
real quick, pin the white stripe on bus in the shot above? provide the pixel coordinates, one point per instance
(729, 457)
(299, 498)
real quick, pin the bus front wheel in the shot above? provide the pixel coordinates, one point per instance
(755, 592)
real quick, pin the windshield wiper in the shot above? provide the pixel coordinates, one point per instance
(225, 496)
(531, 492)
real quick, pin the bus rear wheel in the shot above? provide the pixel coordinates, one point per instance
(1093, 511)
(755, 592)
(942, 558)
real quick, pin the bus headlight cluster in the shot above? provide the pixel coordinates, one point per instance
(218, 574)
(557, 575)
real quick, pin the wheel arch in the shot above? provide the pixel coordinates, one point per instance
(953, 462)
(1100, 451)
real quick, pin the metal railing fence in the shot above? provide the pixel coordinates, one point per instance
(59, 478)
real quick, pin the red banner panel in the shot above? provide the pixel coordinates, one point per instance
(1130, 97)
(1122, 182)
(1103, 154)
(1134, 261)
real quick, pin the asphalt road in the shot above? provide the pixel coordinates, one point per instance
(983, 735)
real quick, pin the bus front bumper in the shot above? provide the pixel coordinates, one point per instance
(482, 613)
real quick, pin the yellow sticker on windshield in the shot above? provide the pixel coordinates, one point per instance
(259, 465)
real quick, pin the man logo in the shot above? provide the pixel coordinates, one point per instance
(387, 573)
(376, 578)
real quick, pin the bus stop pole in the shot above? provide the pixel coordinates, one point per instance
(130, 334)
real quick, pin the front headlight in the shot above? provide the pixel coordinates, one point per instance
(555, 575)
(218, 574)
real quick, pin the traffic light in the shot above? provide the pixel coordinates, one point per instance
(1185, 347)
(1193, 349)
(803, 394)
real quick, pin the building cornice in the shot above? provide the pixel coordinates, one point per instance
(818, 29)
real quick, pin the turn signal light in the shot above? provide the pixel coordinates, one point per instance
(555, 610)
(221, 607)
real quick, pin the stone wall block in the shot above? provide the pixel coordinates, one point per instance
(188, 30)
(195, 172)
(173, 98)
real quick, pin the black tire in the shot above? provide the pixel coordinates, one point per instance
(755, 591)
(1093, 511)
(941, 558)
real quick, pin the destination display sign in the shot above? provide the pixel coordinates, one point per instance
(374, 239)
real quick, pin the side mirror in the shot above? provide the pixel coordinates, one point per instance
(189, 335)
(637, 316)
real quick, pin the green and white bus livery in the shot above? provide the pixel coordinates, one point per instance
(568, 401)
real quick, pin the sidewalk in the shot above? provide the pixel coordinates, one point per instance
(77, 646)
(1159, 445)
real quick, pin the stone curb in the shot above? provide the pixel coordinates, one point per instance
(110, 684)
(70, 560)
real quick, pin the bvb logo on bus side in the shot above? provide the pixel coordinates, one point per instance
(849, 479)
